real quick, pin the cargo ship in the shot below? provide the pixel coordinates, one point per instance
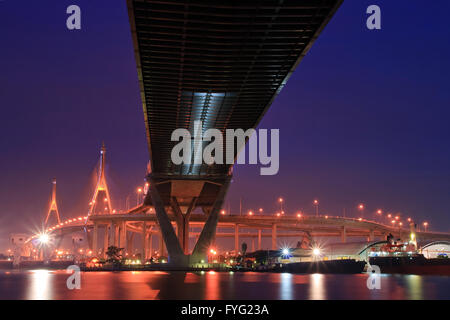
(404, 258)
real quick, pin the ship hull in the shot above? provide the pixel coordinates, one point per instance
(328, 266)
(412, 265)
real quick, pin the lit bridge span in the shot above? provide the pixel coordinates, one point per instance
(120, 230)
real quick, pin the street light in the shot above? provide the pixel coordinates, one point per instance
(316, 204)
(380, 214)
(425, 225)
(139, 191)
(361, 208)
(281, 200)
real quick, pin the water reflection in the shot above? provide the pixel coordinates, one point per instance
(286, 286)
(317, 287)
(39, 287)
(44, 284)
(212, 286)
(414, 283)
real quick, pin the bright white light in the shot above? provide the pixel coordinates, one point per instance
(316, 252)
(44, 238)
(285, 251)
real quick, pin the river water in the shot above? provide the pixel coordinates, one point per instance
(51, 284)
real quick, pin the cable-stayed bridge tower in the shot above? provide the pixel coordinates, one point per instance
(53, 208)
(101, 200)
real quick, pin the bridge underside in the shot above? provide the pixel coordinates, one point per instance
(218, 62)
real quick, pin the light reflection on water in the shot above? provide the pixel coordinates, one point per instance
(39, 285)
(317, 287)
(46, 284)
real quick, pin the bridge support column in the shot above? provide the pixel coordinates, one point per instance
(182, 220)
(148, 239)
(95, 240)
(144, 242)
(111, 234)
(344, 235)
(161, 245)
(209, 230)
(130, 239)
(259, 239)
(105, 240)
(174, 249)
(116, 235)
(371, 235)
(123, 237)
(274, 236)
(236, 238)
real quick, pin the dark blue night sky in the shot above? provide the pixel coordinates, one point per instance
(363, 119)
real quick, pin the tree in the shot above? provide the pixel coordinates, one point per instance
(244, 248)
(114, 255)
